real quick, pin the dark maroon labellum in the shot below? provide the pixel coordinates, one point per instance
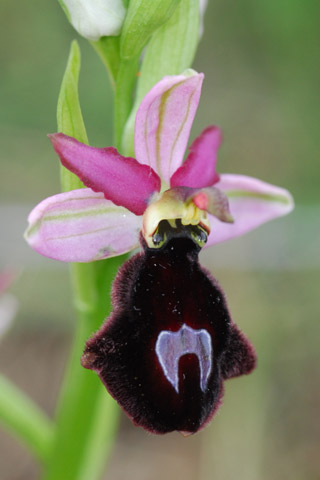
(170, 342)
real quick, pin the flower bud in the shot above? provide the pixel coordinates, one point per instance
(95, 18)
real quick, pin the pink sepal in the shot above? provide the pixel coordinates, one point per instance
(81, 226)
(252, 203)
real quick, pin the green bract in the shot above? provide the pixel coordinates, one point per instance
(143, 18)
(69, 115)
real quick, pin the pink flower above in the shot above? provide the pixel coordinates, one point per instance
(105, 219)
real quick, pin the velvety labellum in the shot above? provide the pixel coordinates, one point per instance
(171, 346)
(170, 342)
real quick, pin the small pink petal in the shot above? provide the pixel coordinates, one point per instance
(164, 121)
(201, 201)
(214, 201)
(199, 169)
(121, 179)
(81, 226)
(252, 203)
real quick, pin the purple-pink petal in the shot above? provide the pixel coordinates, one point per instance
(121, 179)
(164, 121)
(199, 169)
(81, 226)
(252, 202)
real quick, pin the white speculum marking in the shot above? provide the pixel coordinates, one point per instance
(171, 346)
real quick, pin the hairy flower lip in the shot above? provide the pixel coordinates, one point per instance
(155, 292)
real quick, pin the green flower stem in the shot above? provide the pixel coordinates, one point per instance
(87, 416)
(24, 418)
(123, 76)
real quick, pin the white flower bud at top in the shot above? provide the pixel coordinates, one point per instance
(95, 18)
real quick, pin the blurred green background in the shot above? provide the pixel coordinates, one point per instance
(261, 61)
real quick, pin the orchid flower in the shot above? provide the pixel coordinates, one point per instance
(170, 341)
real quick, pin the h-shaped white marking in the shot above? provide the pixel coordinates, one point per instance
(171, 346)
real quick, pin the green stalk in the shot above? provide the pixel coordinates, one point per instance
(25, 419)
(123, 75)
(87, 415)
